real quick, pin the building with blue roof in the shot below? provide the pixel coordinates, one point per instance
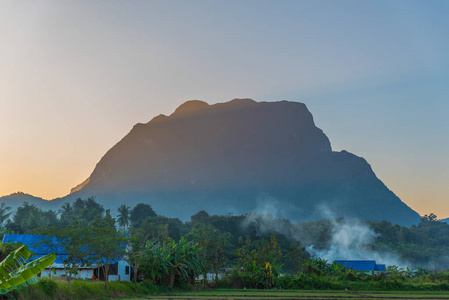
(120, 270)
(364, 266)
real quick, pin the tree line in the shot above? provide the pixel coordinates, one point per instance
(171, 252)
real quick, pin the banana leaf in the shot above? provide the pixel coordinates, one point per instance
(15, 273)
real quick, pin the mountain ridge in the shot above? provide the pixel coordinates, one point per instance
(236, 157)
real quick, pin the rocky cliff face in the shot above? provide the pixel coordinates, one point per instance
(238, 157)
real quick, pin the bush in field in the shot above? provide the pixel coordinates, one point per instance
(48, 286)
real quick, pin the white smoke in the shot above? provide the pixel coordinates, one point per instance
(352, 240)
(267, 217)
(349, 240)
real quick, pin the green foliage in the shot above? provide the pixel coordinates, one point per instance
(172, 253)
(106, 244)
(214, 245)
(138, 243)
(123, 217)
(28, 217)
(174, 227)
(200, 217)
(140, 213)
(312, 282)
(5, 212)
(173, 263)
(87, 209)
(263, 262)
(296, 257)
(312, 266)
(15, 273)
(428, 219)
(85, 242)
(70, 244)
(7, 248)
(82, 212)
(421, 245)
(48, 286)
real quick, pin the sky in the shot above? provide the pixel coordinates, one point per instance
(75, 76)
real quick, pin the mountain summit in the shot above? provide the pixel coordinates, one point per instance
(237, 157)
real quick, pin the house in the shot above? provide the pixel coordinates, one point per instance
(363, 266)
(120, 270)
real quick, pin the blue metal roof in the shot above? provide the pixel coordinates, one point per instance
(33, 240)
(57, 261)
(379, 268)
(359, 265)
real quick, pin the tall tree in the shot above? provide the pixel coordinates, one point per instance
(137, 252)
(66, 214)
(87, 210)
(141, 212)
(214, 244)
(29, 217)
(200, 217)
(91, 210)
(70, 245)
(123, 218)
(107, 245)
(4, 213)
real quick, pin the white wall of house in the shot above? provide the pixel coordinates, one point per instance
(85, 273)
(124, 272)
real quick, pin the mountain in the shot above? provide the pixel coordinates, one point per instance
(15, 200)
(237, 157)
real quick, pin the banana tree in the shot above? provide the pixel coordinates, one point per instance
(173, 261)
(15, 273)
(184, 261)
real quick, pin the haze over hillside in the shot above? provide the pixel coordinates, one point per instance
(238, 157)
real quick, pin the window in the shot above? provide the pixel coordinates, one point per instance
(113, 269)
(127, 270)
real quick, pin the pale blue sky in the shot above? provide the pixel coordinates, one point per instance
(75, 76)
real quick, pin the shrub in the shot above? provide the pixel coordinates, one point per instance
(310, 282)
(48, 286)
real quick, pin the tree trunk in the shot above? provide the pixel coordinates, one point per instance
(68, 275)
(171, 282)
(106, 275)
(136, 267)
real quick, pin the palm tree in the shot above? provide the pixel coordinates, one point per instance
(66, 214)
(66, 210)
(123, 217)
(4, 213)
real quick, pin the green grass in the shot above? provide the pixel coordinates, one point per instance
(284, 295)
(50, 289)
(58, 289)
